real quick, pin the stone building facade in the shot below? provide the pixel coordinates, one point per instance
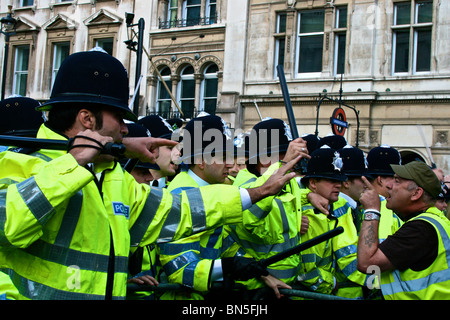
(389, 57)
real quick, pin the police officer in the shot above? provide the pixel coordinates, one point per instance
(82, 205)
(274, 224)
(168, 157)
(138, 169)
(324, 177)
(18, 117)
(351, 281)
(380, 176)
(195, 261)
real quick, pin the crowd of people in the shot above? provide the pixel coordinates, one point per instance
(197, 210)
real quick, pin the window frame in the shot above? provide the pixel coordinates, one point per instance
(209, 76)
(181, 83)
(413, 27)
(56, 49)
(280, 38)
(159, 87)
(298, 47)
(338, 32)
(184, 13)
(18, 73)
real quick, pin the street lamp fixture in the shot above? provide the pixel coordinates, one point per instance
(137, 47)
(8, 28)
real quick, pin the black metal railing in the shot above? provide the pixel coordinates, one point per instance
(199, 21)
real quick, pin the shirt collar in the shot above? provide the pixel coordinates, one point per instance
(197, 179)
(352, 203)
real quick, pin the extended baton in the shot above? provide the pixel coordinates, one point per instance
(301, 247)
(302, 164)
(115, 149)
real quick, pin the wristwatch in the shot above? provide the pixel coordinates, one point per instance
(370, 215)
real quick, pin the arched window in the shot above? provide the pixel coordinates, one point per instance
(186, 91)
(209, 88)
(164, 101)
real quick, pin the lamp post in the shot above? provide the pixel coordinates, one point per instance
(132, 46)
(8, 28)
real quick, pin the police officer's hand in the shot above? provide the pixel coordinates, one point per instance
(275, 284)
(275, 183)
(296, 148)
(86, 150)
(145, 149)
(240, 268)
(318, 202)
(145, 279)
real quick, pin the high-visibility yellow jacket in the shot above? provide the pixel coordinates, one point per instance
(331, 262)
(344, 247)
(7, 289)
(65, 234)
(389, 221)
(189, 261)
(270, 226)
(433, 283)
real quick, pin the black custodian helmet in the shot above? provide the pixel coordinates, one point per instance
(91, 77)
(18, 116)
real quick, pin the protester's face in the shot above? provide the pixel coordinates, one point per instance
(399, 194)
(113, 125)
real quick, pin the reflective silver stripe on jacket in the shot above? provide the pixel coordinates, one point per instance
(35, 199)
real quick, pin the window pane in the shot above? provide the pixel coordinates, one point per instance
(281, 23)
(21, 70)
(342, 19)
(311, 49)
(26, 3)
(163, 93)
(187, 106)
(193, 16)
(424, 12)
(213, 68)
(194, 2)
(61, 52)
(311, 22)
(188, 70)
(165, 71)
(188, 89)
(211, 88)
(106, 44)
(423, 58)
(211, 12)
(23, 54)
(164, 109)
(403, 13)
(340, 59)
(210, 106)
(21, 88)
(401, 51)
(280, 52)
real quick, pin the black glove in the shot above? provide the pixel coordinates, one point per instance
(240, 268)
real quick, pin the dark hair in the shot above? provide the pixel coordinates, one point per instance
(62, 117)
